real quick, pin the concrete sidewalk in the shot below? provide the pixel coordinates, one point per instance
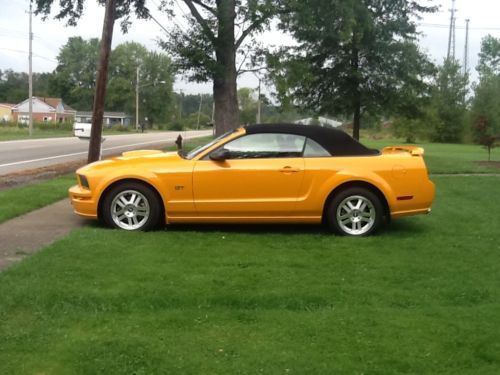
(26, 234)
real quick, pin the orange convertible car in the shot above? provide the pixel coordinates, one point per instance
(271, 173)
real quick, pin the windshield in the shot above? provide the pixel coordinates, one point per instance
(202, 148)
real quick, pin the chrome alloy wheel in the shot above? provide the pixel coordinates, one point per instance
(130, 209)
(356, 215)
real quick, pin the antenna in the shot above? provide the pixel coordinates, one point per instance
(451, 37)
(466, 50)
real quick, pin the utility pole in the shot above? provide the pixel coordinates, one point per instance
(451, 36)
(102, 77)
(137, 99)
(199, 112)
(466, 51)
(258, 105)
(30, 75)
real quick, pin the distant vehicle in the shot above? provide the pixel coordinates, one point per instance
(275, 173)
(82, 129)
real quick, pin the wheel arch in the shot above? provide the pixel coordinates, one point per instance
(125, 180)
(358, 184)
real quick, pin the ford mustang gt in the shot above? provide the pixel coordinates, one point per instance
(268, 173)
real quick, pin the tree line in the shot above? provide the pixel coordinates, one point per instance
(353, 59)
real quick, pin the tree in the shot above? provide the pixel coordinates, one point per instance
(484, 134)
(448, 103)
(485, 105)
(114, 9)
(247, 105)
(489, 57)
(209, 48)
(13, 85)
(74, 78)
(352, 57)
(156, 81)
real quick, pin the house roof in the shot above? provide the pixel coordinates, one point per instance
(54, 102)
(8, 105)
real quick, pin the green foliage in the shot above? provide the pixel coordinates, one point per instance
(485, 105)
(14, 86)
(219, 31)
(448, 109)
(489, 57)
(75, 75)
(353, 57)
(72, 10)
(201, 51)
(409, 129)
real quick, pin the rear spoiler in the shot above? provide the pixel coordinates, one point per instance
(412, 150)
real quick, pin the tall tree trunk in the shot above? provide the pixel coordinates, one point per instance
(356, 95)
(225, 90)
(102, 76)
(356, 122)
(226, 102)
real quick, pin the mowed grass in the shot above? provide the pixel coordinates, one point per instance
(422, 297)
(20, 200)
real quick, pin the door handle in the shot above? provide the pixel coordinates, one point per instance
(289, 169)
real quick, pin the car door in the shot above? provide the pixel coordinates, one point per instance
(259, 177)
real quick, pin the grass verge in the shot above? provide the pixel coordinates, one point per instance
(422, 297)
(23, 199)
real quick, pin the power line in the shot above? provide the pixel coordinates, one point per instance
(442, 26)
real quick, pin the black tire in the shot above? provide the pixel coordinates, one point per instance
(360, 221)
(141, 213)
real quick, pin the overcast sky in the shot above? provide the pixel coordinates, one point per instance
(50, 35)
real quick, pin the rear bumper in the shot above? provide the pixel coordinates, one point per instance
(420, 203)
(82, 201)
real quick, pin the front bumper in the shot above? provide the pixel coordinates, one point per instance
(83, 203)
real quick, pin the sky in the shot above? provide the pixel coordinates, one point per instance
(50, 35)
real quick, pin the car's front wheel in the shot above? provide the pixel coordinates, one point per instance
(355, 212)
(131, 206)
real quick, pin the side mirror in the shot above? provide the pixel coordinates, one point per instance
(220, 154)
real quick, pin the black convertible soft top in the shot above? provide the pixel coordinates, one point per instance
(336, 142)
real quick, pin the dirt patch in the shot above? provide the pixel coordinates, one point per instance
(489, 164)
(30, 176)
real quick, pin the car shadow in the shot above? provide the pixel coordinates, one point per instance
(397, 227)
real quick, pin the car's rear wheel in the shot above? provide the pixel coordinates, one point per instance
(131, 206)
(355, 212)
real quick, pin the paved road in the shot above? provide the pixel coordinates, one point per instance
(16, 156)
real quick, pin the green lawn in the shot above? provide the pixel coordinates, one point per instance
(422, 297)
(20, 200)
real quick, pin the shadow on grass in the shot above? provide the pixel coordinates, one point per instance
(397, 227)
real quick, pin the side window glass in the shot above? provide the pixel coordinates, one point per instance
(314, 150)
(266, 145)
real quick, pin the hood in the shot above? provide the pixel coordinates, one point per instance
(132, 157)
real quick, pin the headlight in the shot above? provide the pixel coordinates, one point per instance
(83, 181)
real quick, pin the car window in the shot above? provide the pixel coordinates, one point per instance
(314, 150)
(266, 145)
(198, 150)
